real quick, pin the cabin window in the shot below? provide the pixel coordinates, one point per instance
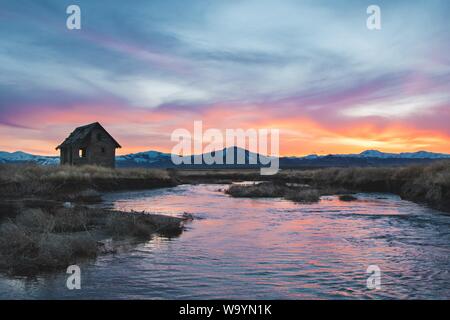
(103, 150)
(82, 153)
(99, 137)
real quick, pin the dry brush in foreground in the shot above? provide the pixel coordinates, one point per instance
(76, 183)
(39, 240)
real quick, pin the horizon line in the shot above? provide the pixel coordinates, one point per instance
(281, 155)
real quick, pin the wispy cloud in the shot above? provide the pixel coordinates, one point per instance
(310, 67)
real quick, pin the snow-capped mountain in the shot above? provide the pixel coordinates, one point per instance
(402, 155)
(144, 157)
(423, 155)
(245, 158)
(248, 156)
(155, 159)
(20, 157)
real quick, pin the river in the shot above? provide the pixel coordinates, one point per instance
(265, 249)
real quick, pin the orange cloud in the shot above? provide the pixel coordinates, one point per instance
(139, 129)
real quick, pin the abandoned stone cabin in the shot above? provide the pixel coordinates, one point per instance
(89, 144)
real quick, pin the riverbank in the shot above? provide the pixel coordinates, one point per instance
(425, 184)
(241, 247)
(38, 240)
(71, 183)
(429, 185)
(301, 194)
(45, 224)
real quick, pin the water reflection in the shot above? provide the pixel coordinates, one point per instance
(268, 249)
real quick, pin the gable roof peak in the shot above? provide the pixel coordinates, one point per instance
(82, 132)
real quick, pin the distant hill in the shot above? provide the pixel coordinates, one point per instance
(403, 155)
(155, 159)
(22, 157)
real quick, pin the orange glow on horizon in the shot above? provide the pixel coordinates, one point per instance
(139, 129)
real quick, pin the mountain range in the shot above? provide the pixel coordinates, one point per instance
(155, 159)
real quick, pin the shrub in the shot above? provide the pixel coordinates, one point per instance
(347, 197)
(35, 220)
(141, 225)
(70, 220)
(37, 240)
(306, 195)
(120, 225)
(261, 190)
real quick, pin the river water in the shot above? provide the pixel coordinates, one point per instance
(266, 249)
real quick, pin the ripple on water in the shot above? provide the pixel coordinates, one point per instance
(267, 249)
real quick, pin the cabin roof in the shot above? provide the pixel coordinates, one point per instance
(81, 133)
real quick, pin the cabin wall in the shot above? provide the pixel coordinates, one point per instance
(65, 156)
(62, 156)
(101, 149)
(74, 152)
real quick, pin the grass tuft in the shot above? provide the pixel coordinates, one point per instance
(38, 240)
(260, 190)
(347, 197)
(272, 190)
(303, 196)
(76, 183)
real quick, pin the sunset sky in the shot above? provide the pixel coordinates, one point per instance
(309, 68)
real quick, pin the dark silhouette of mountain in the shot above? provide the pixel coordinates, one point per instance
(155, 159)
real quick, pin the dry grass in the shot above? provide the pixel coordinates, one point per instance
(273, 190)
(38, 241)
(141, 225)
(429, 184)
(30, 172)
(31, 244)
(47, 237)
(303, 196)
(75, 183)
(260, 190)
(347, 197)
